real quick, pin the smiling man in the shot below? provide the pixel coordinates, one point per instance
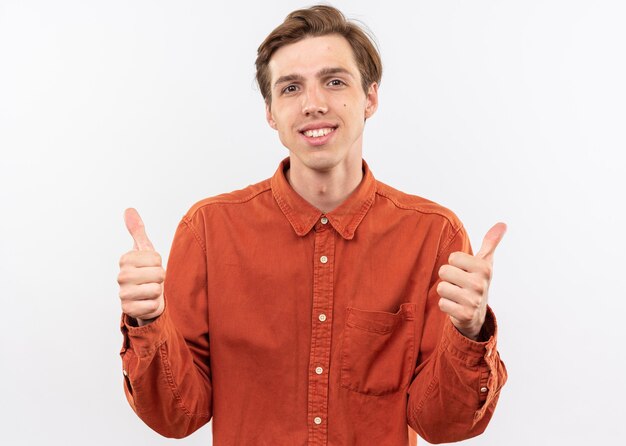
(320, 306)
(318, 106)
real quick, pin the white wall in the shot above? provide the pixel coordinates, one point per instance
(500, 110)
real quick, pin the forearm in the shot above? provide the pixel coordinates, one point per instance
(163, 385)
(454, 393)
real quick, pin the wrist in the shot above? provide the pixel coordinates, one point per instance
(137, 322)
(142, 322)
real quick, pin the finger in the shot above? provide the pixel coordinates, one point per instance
(452, 308)
(137, 230)
(491, 240)
(147, 291)
(139, 276)
(143, 309)
(466, 299)
(450, 291)
(464, 261)
(459, 277)
(140, 259)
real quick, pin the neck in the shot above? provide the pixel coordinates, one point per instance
(325, 190)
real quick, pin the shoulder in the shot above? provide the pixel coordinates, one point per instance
(237, 197)
(402, 201)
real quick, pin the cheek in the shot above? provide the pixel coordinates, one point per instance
(283, 127)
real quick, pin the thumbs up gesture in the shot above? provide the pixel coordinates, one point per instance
(465, 283)
(141, 275)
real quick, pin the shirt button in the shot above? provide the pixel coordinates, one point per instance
(323, 259)
(483, 390)
(322, 317)
(324, 220)
(319, 370)
(125, 372)
(317, 420)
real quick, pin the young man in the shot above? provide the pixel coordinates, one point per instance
(319, 306)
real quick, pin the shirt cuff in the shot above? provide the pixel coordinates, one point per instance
(144, 341)
(480, 356)
(472, 352)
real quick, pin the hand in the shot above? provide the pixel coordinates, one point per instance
(141, 275)
(465, 283)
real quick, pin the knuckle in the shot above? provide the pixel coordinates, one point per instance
(161, 275)
(129, 259)
(484, 286)
(440, 287)
(488, 271)
(477, 284)
(122, 277)
(123, 260)
(468, 315)
(442, 304)
(128, 308)
(124, 295)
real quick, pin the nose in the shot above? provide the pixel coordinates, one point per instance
(314, 102)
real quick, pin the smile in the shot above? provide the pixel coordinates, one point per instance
(317, 133)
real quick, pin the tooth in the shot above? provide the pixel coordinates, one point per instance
(316, 133)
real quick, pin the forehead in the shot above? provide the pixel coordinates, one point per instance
(311, 54)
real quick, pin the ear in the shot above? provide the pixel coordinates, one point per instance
(371, 100)
(268, 116)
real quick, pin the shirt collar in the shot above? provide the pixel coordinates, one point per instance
(303, 216)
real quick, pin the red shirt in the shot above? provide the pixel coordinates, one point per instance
(289, 326)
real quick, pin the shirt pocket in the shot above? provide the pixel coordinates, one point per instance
(377, 354)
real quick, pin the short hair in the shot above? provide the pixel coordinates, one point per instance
(319, 20)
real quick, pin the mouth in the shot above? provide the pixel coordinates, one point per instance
(318, 133)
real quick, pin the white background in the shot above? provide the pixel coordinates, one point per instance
(499, 110)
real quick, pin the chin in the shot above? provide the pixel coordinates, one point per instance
(318, 161)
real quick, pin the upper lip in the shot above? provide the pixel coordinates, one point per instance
(316, 126)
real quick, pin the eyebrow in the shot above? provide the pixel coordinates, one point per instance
(324, 72)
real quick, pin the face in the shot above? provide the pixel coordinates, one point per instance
(318, 105)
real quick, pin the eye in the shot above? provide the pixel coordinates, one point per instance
(290, 89)
(336, 83)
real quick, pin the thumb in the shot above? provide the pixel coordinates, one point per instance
(137, 230)
(491, 240)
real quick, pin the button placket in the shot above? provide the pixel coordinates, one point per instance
(319, 357)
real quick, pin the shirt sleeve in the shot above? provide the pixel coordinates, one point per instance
(167, 377)
(457, 381)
